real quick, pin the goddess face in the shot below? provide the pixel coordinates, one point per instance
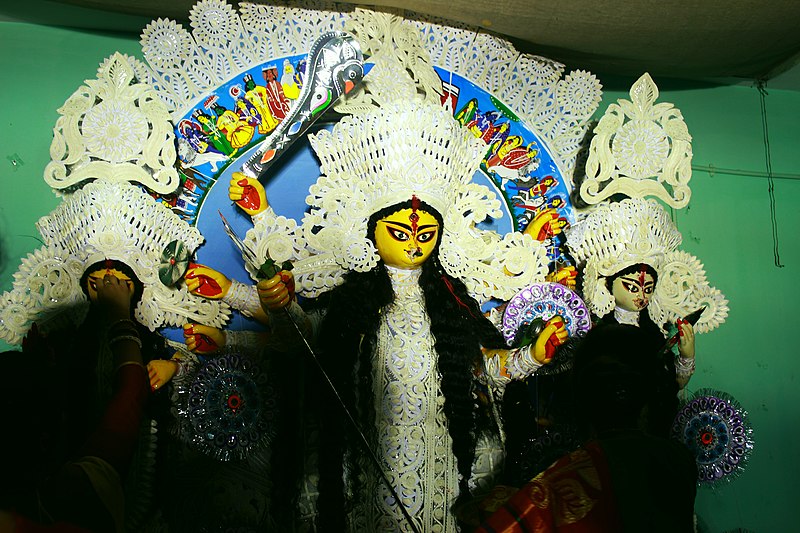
(96, 277)
(632, 292)
(406, 238)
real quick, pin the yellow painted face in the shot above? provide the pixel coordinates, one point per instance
(96, 277)
(406, 238)
(632, 292)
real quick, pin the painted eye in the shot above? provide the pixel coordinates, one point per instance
(630, 287)
(426, 236)
(319, 101)
(648, 290)
(93, 284)
(398, 235)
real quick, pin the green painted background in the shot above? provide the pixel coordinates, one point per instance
(753, 356)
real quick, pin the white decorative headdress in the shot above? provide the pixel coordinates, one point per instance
(382, 158)
(103, 221)
(639, 149)
(115, 128)
(617, 235)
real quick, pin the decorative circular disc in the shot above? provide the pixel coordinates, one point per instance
(174, 263)
(545, 300)
(715, 429)
(231, 407)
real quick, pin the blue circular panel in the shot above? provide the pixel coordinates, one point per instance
(220, 133)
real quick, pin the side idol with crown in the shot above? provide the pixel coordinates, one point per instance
(626, 244)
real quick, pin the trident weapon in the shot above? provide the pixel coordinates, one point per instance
(269, 269)
(335, 68)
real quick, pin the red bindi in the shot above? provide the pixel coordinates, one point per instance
(414, 217)
(642, 274)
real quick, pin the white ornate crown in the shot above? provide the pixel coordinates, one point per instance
(381, 158)
(115, 128)
(103, 220)
(617, 235)
(640, 149)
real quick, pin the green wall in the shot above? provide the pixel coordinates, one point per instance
(753, 356)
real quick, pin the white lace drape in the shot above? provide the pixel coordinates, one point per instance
(414, 444)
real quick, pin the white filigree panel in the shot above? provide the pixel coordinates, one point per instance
(220, 35)
(46, 292)
(281, 30)
(449, 45)
(302, 23)
(531, 85)
(492, 59)
(176, 62)
(186, 66)
(640, 149)
(113, 128)
(683, 288)
(401, 66)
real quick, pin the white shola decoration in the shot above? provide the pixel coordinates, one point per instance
(103, 220)
(184, 65)
(382, 158)
(617, 235)
(115, 128)
(640, 149)
(45, 291)
(402, 67)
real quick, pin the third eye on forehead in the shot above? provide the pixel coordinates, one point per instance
(633, 280)
(407, 227)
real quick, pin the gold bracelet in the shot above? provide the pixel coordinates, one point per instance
(133, 338)
(126, 321)
(126, 363)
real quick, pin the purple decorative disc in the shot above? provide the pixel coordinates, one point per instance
(546, 300)
(716, 430)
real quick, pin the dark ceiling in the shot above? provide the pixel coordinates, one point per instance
(730, 41)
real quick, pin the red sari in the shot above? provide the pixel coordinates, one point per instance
(573, 495)
(625, 482)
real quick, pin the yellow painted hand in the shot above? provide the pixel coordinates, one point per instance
(248, 194)
(276, 292)
(202, 339)
(206, 282)
(553, 335)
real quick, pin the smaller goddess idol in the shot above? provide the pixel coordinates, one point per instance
(107, 236)
(391, 241)
(634, 274)
(103, 228)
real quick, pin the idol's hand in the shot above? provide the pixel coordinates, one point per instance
(546, 224)
(276, 292)
(686, 339)
(114, 297)
(552, 336)
(248, 194)
(566, 276)
(206, 282)
(202, 339)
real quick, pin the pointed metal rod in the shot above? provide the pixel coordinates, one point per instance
(363, 439)
(249, 256)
